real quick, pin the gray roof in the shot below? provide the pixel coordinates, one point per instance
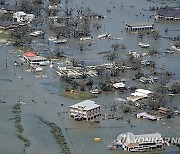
(11, 7)
(169, 12)
(36, 58)
(93, 14)
(87, 105)
(7, 23)
(137, 24)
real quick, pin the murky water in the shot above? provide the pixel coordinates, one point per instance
(45, 91)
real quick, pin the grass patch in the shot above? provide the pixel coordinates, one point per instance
(23, 48)
(77, 95)
(6, 36)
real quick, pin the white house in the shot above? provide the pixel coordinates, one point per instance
(86, 110)
(23, 17)
(147, 116)
(119, 85)
(139, 143)
(139, 94)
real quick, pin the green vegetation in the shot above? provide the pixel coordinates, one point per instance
(58, 135)
(25, 140)
(19, 128)
(16, 109)
(6, 36)
(23, 48)
(75, 94)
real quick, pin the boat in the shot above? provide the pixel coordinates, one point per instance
(60, 41)
(144, 45)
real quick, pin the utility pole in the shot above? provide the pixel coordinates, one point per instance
(6, 62)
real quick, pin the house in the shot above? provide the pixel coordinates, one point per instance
(141, 26)
(164, 110)
(119, 85)
(144, 80)
(86, 110)
(168, 14)
(38, 60)
(32, 59)
(23, 17)
(140, 94)
(139, 143)
(145, 115)
(90, 14)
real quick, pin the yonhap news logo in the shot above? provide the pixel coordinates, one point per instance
(167, 140)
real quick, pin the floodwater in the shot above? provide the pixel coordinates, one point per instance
(45, 91)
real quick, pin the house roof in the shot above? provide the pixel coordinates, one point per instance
(164, 109)
(20, 13)
(134, 98)
(92, 14)
(139, 24)
(29, 54)
(10, 7)
(169, 12)
(119, 85)
(7, 23)
(86, 105)
(143, 91)
(145, 115)
(36, 58)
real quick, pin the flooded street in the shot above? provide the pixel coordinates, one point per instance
(41, 96)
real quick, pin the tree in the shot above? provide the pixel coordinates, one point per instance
(2, 2)
(97, 25)
(175, 88)
(111, 56)
(115, 46)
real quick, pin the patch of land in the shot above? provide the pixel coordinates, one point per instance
(75, 94)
